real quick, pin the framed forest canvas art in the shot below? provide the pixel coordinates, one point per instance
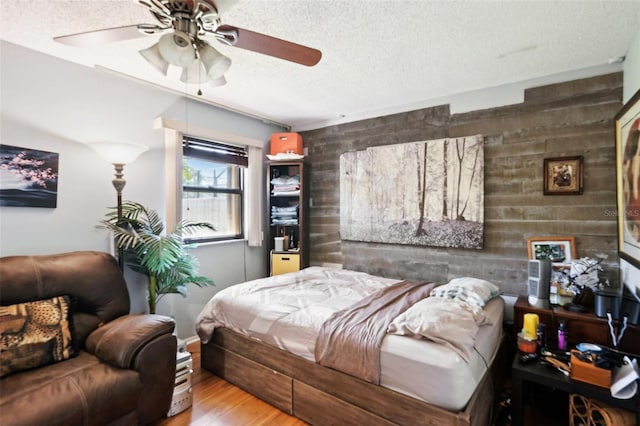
(427, 193)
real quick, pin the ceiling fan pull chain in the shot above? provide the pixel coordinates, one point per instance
(199, 71)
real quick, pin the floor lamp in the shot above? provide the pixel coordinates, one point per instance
(119, 154)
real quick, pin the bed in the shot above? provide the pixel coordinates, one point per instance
(269, 337)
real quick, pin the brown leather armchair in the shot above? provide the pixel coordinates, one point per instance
(124, 370)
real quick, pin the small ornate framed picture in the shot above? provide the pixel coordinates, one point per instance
(563, 175)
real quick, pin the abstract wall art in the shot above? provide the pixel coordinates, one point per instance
(28, 177)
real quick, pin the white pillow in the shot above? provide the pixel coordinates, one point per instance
(439, 320)
(473, 292)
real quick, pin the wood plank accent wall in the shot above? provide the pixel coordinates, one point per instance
(566, 119)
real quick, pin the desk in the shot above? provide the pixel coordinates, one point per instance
(583, 327)
(523, 375)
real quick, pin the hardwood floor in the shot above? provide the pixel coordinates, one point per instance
(219, 403)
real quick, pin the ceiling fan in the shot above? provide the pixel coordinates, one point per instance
(183, 24)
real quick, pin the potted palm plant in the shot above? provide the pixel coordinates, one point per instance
(147, 249)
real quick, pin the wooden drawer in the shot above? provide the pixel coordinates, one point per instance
(284, 262)
(265, 383)
(313, 406)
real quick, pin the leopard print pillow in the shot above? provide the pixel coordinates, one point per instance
(35, 333)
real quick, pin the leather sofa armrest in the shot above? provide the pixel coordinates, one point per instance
(119, 341)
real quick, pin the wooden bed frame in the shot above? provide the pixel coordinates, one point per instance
(322, 396)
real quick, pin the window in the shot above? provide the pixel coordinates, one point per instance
(212, 188)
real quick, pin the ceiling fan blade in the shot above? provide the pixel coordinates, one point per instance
(271, 46)
(95, 38)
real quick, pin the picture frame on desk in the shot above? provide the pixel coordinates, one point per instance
(560, 250)
(627, 123)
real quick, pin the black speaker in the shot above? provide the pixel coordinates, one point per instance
(538, 282)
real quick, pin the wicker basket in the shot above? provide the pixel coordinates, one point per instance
(587, 412)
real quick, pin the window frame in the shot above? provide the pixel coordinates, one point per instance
(235, 155)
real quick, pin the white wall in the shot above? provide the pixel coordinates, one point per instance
(242, 264)
(631, 69)
(53, 105)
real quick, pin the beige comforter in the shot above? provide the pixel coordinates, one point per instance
(288, 310)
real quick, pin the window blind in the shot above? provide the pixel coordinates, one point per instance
(215, 151)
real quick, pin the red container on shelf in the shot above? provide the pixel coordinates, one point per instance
(286, 143)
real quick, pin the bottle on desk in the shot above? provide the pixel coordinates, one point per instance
(563, 336)
(542, 337)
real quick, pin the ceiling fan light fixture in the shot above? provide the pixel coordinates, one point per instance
(194, 73)
(177, 49)
(217, 82)
(215, 63)
(152, 56)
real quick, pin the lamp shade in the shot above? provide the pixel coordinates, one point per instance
(177, 48)
(153, 56)
(194, 73)
(215, 63)
(220, 81)
(119, 152)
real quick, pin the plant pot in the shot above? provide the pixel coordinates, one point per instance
(582, 301)
(585, 298)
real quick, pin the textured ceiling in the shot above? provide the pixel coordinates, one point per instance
(378, 56)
